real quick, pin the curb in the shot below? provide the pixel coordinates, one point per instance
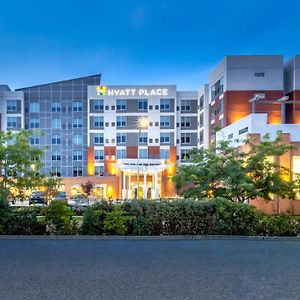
(149, 238)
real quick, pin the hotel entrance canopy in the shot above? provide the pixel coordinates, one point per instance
(144, 165)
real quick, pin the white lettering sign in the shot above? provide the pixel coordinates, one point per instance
(106, 91)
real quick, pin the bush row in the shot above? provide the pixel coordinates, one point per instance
(178, 217)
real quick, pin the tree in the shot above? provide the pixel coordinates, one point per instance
(87, 187)
(227, 171)
(19, 164)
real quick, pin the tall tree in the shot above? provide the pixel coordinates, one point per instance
(20, 163)
(227, 171)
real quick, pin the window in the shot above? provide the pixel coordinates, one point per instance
(217, 89)
(259, 74)
(165, 104)
(142, 104)
(77, 106)
(221, 123)
(165, 121)
(121, 121)
(164, 154)
(185, 122)
(77, 139)
(201, 137)
(56, 155)
(98, 104)
(212, 112)
(56, 172)
(243, 130)
(184, 155)
(121, 104)
(56, 106)
(34, 140)
(212, 130)
(12, 123)
(34, 123)
(121, 153)
(185, 105)
(77, 155)
(34, 107)
(230, 136)
(221, 108)
(185, 138)
(56, 123)
(11, 106)
(165, 137)
(98, 122)
(98, 138)
(99, 154)
(121, 138)
(56, 139)
(77, 171)
(201, 120)
(77, 123)
(201, 102)
(143, 138)
(99, 170)
(143, 153)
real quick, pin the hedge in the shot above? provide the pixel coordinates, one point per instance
(144, 217)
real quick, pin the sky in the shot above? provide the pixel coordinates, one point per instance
(138, 42)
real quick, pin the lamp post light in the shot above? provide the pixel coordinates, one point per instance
(143, 123)
(283, 100)
(254, 99)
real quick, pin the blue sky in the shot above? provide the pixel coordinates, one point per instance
(138, 42)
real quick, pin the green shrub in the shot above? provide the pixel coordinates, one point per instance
(116, 221)
(280, 225)
(58, 219)
(93, 221)
(236, 218)
(5, 216)
(24, 221)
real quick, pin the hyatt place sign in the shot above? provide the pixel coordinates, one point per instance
(106, 91)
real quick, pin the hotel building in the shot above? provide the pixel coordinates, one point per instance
(252, 96)
(92, 131)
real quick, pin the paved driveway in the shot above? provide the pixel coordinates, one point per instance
(123, 269)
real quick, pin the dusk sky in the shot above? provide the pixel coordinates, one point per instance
(138, 42)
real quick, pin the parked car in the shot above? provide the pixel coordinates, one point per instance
(78, 201)
(59, 196)
(37, 198)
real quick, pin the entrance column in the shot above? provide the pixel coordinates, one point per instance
(156, 190)
(124, 191)
(145, 185)
(129, 185)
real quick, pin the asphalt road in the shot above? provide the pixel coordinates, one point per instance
(123, 269)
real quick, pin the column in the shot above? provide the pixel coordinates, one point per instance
(145, 185)
(129, 185)
(156, 190)
(124, 191)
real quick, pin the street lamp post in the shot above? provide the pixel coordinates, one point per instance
(142, 124)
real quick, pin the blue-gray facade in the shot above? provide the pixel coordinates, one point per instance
(59, 111)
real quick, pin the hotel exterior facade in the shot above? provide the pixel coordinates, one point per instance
(92, 132)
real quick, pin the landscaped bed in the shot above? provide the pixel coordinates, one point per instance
(144, 217)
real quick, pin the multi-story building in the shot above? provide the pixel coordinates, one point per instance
(11, 109)
(91, 132)
(145, 158)
(237, 80)
(259, 95)
(59, 111)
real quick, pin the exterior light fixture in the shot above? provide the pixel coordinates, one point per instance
(283, 99)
